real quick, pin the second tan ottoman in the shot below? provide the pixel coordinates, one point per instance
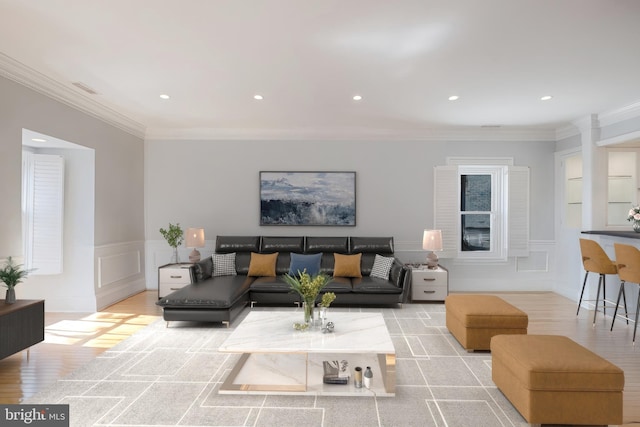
(550, 379)
(473, 319)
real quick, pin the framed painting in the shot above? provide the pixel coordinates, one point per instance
(308, 198)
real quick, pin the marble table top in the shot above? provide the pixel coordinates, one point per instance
(273, 332)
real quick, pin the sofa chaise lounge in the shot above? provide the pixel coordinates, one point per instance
(249, 270)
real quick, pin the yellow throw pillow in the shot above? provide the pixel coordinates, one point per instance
(347, 265)
(262, 264)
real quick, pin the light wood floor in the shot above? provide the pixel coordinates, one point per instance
(73, 340)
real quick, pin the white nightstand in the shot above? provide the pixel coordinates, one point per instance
(172, 277)
(429, 284)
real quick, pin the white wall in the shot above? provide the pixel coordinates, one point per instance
(215, 185)
(119, 191)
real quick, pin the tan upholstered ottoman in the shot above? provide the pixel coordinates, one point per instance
(551, 379)
(474, 319)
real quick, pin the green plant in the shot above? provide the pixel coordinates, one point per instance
(174, 235)
(12, 274)
(327, 299)
(308, 287)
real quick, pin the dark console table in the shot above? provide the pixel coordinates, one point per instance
(21, 325)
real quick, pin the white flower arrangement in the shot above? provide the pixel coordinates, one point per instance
(634, 214)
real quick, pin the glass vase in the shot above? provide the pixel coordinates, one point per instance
(307, 305)
(636, 226)
(323, 316)
(175, 259)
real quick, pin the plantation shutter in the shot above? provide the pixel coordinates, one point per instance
(43, 212)
(446, 215)
(518, 211)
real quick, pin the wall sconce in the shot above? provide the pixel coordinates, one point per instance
(432, 241)
(194, 239)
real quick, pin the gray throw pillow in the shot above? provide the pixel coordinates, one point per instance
(204, 269)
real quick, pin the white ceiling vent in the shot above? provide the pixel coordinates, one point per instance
(85, 88)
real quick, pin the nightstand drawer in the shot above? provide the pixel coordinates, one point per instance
(428, 292)
(172, 277)
(429, 284)
(175, 276)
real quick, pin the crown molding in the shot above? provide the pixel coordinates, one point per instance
(20, 73)
(567, 132)
(355, 134)
(631, 111)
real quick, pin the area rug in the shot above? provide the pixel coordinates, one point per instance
(170, 376)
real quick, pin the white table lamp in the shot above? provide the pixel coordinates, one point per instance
(432, 241)
(194, 239)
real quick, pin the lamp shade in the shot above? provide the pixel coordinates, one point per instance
(194, 238)
(432, 240)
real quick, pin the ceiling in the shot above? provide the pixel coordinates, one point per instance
(309, 58)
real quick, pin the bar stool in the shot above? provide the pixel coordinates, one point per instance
(595, 260)
(628, 261)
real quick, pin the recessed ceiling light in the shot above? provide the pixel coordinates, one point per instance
(453, 97)
(38, 140)
(546, 98)
(164, 96)
(258, 97)
(357, 97)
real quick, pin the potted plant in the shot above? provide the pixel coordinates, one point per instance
(308, 288)
(174, 237)
(12, 274)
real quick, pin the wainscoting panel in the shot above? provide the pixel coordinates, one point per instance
(119, 272)
(114, 268)
(536, 272)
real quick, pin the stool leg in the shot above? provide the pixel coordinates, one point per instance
(584, 283)
(624, 298)
(604, 295)
(595, 311)
(615, 312)
(635, 326)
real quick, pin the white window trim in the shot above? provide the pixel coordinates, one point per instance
(514, 210)
(497, 248)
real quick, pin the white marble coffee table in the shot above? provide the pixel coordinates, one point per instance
(277, 359)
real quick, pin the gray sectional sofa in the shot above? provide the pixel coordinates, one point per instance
(224, 285)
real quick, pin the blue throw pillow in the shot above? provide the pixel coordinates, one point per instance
(300, 262)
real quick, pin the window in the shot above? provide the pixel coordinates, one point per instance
(482, 210)
(42, 211)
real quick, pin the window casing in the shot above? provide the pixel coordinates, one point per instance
(482, 210)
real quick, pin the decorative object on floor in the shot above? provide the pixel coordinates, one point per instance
(194, 239)
(308, 198)
(432, 241)
(634, 217)
(308, 288)
(174, 238)
(11, 275)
